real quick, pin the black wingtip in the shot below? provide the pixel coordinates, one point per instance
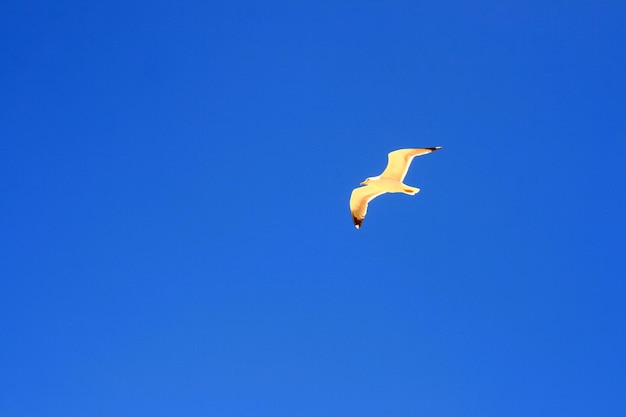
(436, 148)
(357, 222)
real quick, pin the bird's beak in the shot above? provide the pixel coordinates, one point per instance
(363, 183)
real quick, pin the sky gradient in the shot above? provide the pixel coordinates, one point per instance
(175, 232)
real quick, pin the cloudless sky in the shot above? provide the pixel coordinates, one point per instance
(175, 238)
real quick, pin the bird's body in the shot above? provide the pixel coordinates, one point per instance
(390, 181)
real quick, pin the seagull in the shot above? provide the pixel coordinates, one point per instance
(390, 181)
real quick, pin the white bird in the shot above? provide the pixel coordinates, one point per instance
(390, 181)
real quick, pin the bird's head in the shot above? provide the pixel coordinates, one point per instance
(368, 180)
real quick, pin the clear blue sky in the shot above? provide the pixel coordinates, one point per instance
(174, 224)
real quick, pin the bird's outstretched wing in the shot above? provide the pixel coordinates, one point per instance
(399, 161)
(359, 199)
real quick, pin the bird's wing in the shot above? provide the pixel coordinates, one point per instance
(399, 161)
(359, 199)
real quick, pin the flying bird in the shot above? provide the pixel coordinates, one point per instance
(390, 181)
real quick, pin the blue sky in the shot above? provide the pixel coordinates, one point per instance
(175, 232)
